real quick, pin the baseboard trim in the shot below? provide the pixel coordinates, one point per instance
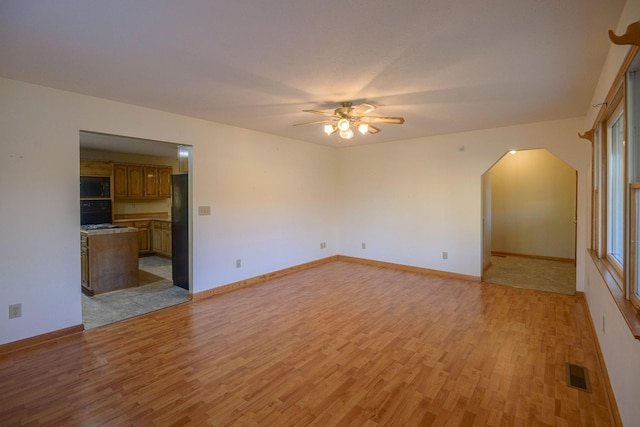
(40, 339)
(608, 390)
(410, 268)
(547, 258)
(258, 279)
(487, 267)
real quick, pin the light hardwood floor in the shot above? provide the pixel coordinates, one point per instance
(337, 344)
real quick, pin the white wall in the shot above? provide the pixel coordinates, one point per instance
(409, 201)
(272, 199)
(621, 351)
(486, 219)
(533, 205)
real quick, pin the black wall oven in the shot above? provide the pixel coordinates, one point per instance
(95, 212)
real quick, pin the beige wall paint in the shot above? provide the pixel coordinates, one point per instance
(533, 205)
(486, 220)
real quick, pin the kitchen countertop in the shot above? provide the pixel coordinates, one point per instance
(109, 231)
(116, 221)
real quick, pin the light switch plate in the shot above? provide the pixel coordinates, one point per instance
(204, 210)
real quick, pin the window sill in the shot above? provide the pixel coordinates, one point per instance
(629, 312)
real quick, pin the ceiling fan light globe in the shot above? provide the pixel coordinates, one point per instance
(343, 124)
(363, 128)
(328, 129)
(346, 134)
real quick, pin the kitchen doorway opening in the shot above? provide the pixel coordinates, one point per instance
(122, 280)
(529, 201)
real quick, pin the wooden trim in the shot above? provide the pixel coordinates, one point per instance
(614, 413)
(634, 188)
(628, 311)
(486, 268)
(410, 268)
(548, 258)
(617, 81)
(588, 135)
(631, 35)
(144, 215)
(40, 339)
(258, 279)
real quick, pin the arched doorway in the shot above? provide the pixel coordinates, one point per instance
(529, 228)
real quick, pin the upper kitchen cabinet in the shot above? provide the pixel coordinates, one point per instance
(150, 181)
(132, 181)
(164, 182)
(93, 168)
(135, 181)
(120, 181)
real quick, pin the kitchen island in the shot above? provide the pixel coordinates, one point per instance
(109, 259)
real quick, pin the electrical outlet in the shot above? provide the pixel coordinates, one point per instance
(445, 255)
(323, 245)
(364, 245)
(204, 210)
(15, 310)
(238, 263)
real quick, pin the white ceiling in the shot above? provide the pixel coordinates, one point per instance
(446, 66)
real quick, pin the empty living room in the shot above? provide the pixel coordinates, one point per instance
(399, 214)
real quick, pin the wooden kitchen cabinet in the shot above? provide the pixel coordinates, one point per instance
(132, 181)
(150, 181)
(109, 260)
(144, 235)
(161, 238)
(94, 168)
(135, 181)
(164, 182)
(120, 181)
(84, 263)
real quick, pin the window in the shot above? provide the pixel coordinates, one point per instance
(635, 242)
(615, 191)
(615, 231)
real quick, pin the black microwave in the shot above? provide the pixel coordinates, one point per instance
(95, 187)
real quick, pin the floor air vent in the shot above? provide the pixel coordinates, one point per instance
(578, 377)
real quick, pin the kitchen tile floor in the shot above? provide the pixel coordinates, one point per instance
(111, 307)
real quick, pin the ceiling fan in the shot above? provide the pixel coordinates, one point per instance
(343, 117)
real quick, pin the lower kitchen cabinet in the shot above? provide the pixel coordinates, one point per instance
(154, 236)
(161, 238)
(109, 260)
(144, 234)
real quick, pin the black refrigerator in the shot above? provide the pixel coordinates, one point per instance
(180, 229)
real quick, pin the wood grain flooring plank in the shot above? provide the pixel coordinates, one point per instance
(338, 344)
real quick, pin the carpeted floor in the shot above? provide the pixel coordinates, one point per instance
(155, 291)
(531, 273)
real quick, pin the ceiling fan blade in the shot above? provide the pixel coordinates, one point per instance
(324, 113)
(373, 129)
(385, 120)
(314, 123)
(361, 110)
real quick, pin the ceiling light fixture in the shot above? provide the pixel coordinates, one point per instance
(343, 117)
(347, 133)
(329, 129)
(343, 124)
